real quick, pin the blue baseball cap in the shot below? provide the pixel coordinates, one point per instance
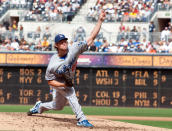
(60, 37)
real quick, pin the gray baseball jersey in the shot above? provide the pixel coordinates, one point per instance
(66, 65)
(58, 66)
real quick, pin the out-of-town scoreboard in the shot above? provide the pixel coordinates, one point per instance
(94, 86)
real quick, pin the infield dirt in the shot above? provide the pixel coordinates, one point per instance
(61, 122)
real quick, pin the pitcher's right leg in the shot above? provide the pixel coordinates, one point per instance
(58, 102)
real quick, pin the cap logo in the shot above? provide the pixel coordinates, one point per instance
(60, 35)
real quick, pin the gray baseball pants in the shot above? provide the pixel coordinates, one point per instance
(60, 97)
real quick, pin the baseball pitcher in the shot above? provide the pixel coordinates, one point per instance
(60, 73)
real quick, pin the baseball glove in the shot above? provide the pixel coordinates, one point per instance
(68, 81)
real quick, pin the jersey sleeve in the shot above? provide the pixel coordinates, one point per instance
(80, 47)
(49, 75)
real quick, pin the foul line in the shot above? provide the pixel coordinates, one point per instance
(133, 118)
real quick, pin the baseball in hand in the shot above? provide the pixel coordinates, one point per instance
(102, 15)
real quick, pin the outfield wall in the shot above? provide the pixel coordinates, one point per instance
(125, 80)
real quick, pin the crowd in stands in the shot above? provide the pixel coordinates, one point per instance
(135, 39)
(12, 39)
(65, 10)
(5, 5)
(127, 10)
(132, 46)
(44, 10)
(128, 40)
(54, 10)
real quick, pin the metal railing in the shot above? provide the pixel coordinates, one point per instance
(7, 6)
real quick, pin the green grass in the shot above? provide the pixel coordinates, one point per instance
(110, 111)
(162, 124)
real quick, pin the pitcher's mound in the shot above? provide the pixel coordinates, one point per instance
(60, 122)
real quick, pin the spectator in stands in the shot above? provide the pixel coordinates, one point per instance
(132, 48)
(120, 49)
(23, 3)
(152, 50)
(142, 47)
(7, 41)
(15, 45)
(130, 42)
(165, 34)
(151, 27)
(31, 46)
(151, 30)
(98, 44)
(113, 48)
(10, 34)
(105, 45)
(37, 34)
(47, 33)
(2, 32)
(91, 14)
(149, 47)
(6, 24)
(167, 46)
(4, 46)
(127, 33)
(134, 33)
(156, 45)
(14, 26)
(125, 49)
(170, 46)
(24, 46)
(38, 30)
(21, 32)
(144, 44)
(123, 42)
(80, 34)
(92, 48)
(38, 46)
(169, 26)
(139, 49)
(134, 29)
(166, 4)
(163, 47)
(45, 44)
(121, 27)
(136, 42)
(144, 33)
(2, 29)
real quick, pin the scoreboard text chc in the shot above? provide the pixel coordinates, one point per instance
(94, 86)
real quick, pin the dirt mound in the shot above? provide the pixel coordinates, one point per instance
(59, 122)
